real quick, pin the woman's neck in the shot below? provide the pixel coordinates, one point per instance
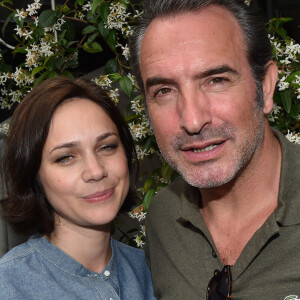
(89, 246)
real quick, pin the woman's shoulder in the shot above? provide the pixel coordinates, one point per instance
(17, 253)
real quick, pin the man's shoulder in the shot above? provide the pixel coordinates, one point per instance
(168, 199)
(172, 191)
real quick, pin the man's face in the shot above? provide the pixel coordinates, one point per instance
(201, 95)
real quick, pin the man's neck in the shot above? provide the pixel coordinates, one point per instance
(235, 211)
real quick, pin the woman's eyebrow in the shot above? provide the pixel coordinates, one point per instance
(73, 144)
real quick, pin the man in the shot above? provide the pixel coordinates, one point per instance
(206, 71)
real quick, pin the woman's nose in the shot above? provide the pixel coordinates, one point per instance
(94, 169)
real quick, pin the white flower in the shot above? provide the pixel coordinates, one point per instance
(139, 242)
(125, 51)
(293, 137)
(57, 26)
(114, 95)
(4, 128)
(117, 16)
(141, 152)
(87, 7)
(21, 14)
(32, 8)
(282, 84)
(103, 81)
(140, 130)
(23, 32)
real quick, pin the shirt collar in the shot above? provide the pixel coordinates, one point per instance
(65, 262)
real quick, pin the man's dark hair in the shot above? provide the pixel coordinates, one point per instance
(248, 17)
(26, 208)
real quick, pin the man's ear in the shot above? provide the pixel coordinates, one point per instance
(269, 84)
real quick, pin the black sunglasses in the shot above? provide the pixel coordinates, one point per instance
(219, 287)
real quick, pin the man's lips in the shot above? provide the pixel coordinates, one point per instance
(202, 147)
(204, 152)
(99, 196)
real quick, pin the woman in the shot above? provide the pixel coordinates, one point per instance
(67, 163)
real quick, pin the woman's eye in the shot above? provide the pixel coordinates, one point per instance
(108, 148)
(64, 159)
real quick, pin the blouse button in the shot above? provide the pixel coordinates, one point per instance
(106, 273)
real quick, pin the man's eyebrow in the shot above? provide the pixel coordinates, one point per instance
(217, 70)
(76, 143)
(152, 81)
(157, 80)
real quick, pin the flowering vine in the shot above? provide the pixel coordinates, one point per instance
(49, 43)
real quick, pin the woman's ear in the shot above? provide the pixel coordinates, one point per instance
(269, 84)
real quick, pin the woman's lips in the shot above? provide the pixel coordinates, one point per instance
(99, 196)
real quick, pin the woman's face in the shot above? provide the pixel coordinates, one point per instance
(84, 170)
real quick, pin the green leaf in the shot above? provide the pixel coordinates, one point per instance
(80, 2)
(104, 10)
(52, 74)
(91, 18)
(38, 33)
(115, 76)
(104, 31)
(284, 20)
(41, 78)
(37, 70)
(91, 38)
(126, 86)
(148, 198)
(93, 48)
(65, 9)
(147, 184)
(282, 32)
(70, 30)
(286, 98)
(67, 74)
(6, 22)
(59, 61)
(166, 171)
(292, 77)
(72, 64)
(111, 39)
(130, 118)
(89, 29)
(48, 18)
(111, 66)
(124, 2)
(19, 50)
(95, 3)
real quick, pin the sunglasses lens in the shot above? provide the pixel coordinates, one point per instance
(219, 287)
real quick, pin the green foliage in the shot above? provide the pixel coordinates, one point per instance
(48, 44)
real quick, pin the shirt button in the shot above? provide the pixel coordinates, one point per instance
(214, 254)
(106, 273)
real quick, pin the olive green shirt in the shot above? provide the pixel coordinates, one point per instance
(182, 255)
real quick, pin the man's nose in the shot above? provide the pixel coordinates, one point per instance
(194, 109)
(93, 169)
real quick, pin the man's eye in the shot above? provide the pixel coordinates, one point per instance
(163, 91)
(218, 80)
(64, 159)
